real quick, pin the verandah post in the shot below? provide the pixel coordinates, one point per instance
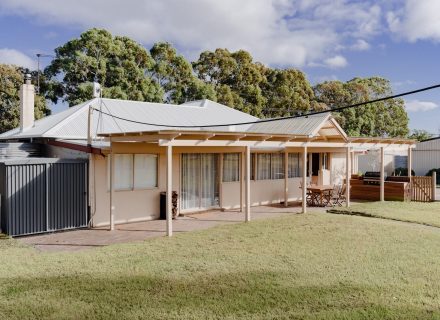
(347, 177)
(382, 174)
(248, 184)
(169, 206)
(304, 180)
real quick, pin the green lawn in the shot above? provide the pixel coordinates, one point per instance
(312, 266)
(424, 213)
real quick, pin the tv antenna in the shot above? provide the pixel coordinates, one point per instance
(41, 55)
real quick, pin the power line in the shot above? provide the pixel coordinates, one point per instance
(339, 109)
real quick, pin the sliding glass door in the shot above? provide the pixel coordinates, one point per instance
(200, 181)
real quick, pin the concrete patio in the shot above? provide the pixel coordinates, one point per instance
(123, 233)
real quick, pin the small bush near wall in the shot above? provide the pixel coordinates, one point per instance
(437, 176)
(402, 172)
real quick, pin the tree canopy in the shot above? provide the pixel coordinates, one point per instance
(420, 135)
(253, 88)
(127, 70)
(119, 64)
(11, 78)
(386, 118)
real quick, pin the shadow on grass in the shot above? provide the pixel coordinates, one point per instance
(252, 295)
(349, 212)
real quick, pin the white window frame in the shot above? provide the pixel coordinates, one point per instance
(133, 173)
(255, 166)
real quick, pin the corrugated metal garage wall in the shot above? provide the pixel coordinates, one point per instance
(426, 156)
(41, 195)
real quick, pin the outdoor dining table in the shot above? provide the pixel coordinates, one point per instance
(319, 191)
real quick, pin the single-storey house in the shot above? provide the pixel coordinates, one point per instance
(213, 156)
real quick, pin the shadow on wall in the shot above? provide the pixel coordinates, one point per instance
(371, 162)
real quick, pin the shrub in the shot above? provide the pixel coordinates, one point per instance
(402, 172)
(437, 176)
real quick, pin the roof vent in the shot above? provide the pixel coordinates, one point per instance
(197, 103)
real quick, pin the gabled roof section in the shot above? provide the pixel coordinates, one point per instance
(319, 126)
(299, 126)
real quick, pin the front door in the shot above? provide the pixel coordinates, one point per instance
(200, 181)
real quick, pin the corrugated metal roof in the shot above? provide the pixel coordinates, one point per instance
(72, 123)
(296, 126)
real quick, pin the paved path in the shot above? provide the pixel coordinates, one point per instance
(98, 237)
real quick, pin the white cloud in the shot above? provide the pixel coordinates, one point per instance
(277, 32)
(417, 20)
(336, 62)
(12, 56)
(360, 45)
(416, 105)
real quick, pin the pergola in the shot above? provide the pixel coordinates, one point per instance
(327, 138)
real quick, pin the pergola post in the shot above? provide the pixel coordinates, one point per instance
(304, 180)
(112, 189)
(382, 174)
(169, 192)
(220, 195)
(248, 184)
(242, 169)
(348, 165)
(286, 178)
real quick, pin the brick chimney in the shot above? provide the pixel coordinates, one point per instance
(27, 100)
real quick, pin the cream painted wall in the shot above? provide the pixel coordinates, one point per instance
(139, 205)
(262, 192)
(130, 205)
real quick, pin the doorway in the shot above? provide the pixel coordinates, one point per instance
(199, 181)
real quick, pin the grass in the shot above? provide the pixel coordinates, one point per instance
(427, 213)
(313, 266)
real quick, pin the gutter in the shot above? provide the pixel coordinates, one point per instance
(76, 147)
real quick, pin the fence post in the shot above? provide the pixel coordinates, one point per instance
(434, 184)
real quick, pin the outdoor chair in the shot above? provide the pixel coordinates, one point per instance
(310, 196)
(331, 196)
(338, 197)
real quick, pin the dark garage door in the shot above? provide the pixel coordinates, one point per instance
(42, 195)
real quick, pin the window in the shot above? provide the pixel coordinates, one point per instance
(263, 166)
(294, 165)
(137, 171)
(123, 171)
(266, 166)
(145, 171)
(277, 166)
(231, 167)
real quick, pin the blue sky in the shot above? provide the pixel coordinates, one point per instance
(327, 39)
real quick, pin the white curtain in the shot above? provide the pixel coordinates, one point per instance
(209, 180)
(123, 171)
(294, 165)
(145, 171)
(263, 166)
(200, 181)
(190, 180)
(277, 166)
(231, 167)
